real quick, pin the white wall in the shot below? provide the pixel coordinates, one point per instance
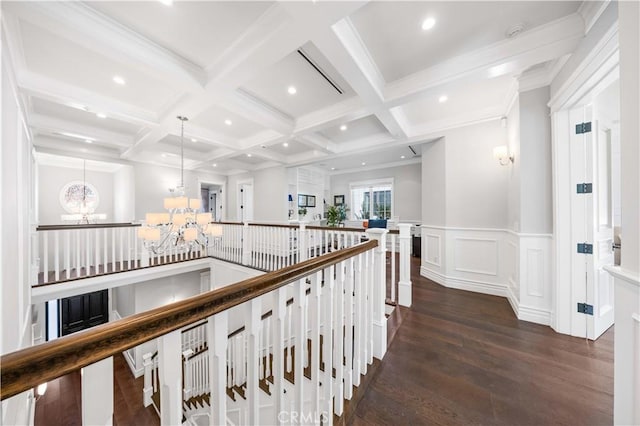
(476, 184)
(152, 185)
(270, 195)
(434, 184)
(407, 188)
(52, 179)
(535, 162)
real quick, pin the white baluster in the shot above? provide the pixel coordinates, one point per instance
(327, 344)
(279, 315)
(113, 249)
(97, 252)
(56, 255)
(45, 257)
(359, 338)
(348, 338)
(254, 307)
(87, 252)
(105, 260)
(298, 338)
(170, 361)
(67, 254)
(338, 344)
(314, 335)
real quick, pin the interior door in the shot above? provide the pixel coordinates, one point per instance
(83, 311)
(245, 207)
(602, 230)
(591, 225)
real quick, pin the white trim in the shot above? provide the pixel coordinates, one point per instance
(483, 287)
(509, 231)
(417, 160)
(624, 274)
(475, 271)
(591, 12)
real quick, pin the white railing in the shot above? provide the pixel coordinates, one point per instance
(69, 252)
(337, 312)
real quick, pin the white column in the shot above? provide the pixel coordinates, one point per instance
(404, 284)
(217, 331)
(378, 295)
(246, 244)
(170, 372)
(97, 393)
(147, 390)
(303, 240)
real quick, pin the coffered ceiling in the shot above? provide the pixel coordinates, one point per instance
(264, 84)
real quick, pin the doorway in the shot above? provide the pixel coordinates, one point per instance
(245, 201)
(592, 209)
(211, 195)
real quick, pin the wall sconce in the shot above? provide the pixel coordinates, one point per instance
(501, 153)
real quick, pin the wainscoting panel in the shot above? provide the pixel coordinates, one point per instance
(476, 255)
(433, 249)
(492, 261)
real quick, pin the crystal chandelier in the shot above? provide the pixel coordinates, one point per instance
(182, 227)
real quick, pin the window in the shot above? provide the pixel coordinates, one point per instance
(372, 200)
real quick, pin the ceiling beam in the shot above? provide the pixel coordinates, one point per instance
(56, 125)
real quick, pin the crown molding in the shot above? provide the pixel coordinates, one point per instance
(537, 45)
(415, 160)
(591, 11)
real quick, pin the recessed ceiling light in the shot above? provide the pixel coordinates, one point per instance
(428, 23)
(194, 140)
(443, 98)
(292, 90)
(402, 157)
(228, 122)
(88, 141)
(364, 164)
(101, 115)
(166, 2)
(248, 155)
(163, 155)
(285, 144)
(333, 168)
(119, 80)
(214, 165)
(343, 127)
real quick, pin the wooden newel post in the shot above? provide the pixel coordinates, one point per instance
(378, 293)
(404, 283)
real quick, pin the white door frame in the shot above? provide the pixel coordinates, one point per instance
(239, 185)
(223, 194)
(589, 79)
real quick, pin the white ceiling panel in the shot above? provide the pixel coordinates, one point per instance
(372, 159)
(399, 46)
(215, 119)
(356, 129)
(174, 142)
(254, 160)
(62, 60)
(82, 116)
(294, 148)
(313, 91)
(199, 31)
(462, 98)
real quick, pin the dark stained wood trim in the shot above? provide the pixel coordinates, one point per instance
(89, 226)
(275, 225)
(26, 368)
(336, 228)
(229, 223)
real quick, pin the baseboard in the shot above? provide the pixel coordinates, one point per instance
(536, 315)
(513, 301)
(483, 287)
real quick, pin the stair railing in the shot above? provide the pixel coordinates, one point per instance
(345, 309)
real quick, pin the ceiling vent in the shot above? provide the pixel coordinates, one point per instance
(514, 31)
(415, 154)
(320, 71)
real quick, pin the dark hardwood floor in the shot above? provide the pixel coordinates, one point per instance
(61, 405)
(463, 358)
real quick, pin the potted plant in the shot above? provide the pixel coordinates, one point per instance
(336, 215)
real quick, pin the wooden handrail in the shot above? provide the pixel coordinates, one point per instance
(86, 226)
(275, 225)
(26, 368)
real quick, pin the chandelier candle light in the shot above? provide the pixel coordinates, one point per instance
(182, 228)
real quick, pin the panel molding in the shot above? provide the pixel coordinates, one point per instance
(457, 261)
(439, 255)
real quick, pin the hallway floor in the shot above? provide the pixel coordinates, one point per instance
(463, 358)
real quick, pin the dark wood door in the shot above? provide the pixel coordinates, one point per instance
(83, 311)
